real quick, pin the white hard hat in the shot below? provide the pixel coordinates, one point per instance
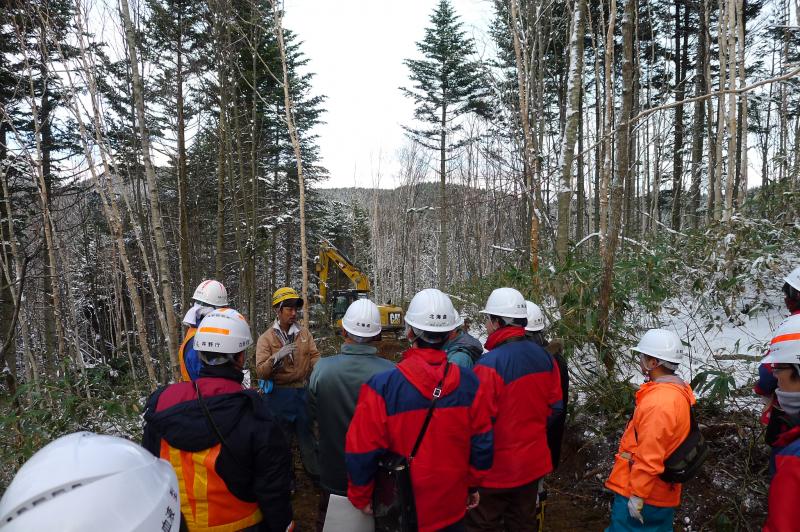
(535, 317)
(362, 318)
(661, 344)
(785, 345)
(507, 303)
(86, 481)
(222, 331)
(431, 310)
(212, 293)
(794, 278)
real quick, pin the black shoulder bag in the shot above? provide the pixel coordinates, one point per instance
(685, 462)
(393, 496)
(687, 459)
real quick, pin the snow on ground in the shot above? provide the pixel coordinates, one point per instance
(734, 345)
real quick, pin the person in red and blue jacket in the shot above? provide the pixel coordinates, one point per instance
(457, 448)
(784, 490)
(523, 386)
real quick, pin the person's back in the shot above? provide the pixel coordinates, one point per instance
(522, 384)
(525, 387)
(457, 446)
(463, 349)
(248, 473)
(660, 423)
(231, 459)
(391, 410)
(333, 392)
(208, 296)
(535, 331)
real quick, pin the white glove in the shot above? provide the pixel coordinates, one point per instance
(635, 506)
(282, 353)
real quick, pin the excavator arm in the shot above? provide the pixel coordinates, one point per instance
(391, 315)
(329, 253)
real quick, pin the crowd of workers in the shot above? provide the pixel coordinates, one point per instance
(481, 429)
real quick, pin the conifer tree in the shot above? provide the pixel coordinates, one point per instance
(178, 42)
(447, 85)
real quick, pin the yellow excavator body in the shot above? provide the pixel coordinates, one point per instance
(339, 300)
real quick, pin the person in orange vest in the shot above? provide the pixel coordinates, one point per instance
(230, 457)
(208, 295)
(661, 422)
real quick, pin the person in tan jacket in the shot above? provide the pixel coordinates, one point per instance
(286, 354)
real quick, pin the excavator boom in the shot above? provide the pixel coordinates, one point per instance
(391, 315)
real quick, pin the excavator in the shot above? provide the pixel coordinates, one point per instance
(339, 299)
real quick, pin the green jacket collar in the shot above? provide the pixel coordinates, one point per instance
(358, 349)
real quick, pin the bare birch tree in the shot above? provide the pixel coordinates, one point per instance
(152, 191)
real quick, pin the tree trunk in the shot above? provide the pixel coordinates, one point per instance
(152, 191)
(723, 58)
(699, 117)
(109, 205)
(743, 125)
(732, 107)
(608, 140)
(293, 135)
(8, 234)
(184, 254)
(442, 262)
(570, 131)
(680, 91)
(529, 156)
(581, 187)
(623, 130)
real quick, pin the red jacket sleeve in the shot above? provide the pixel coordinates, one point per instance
(366, 441)
(784, 492)
(482, 438)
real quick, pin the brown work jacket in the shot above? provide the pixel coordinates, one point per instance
(292, 371)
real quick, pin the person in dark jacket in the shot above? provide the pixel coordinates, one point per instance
(463, 349)
(230, 457)
(767, 383)
(333, 391)
(523, 387)
(535, 332)
(457, 447)
(784, 490)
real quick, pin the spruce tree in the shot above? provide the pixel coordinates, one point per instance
(447, 85)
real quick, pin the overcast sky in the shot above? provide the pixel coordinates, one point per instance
(356, 49)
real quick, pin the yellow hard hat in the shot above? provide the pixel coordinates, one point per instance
(284, 294)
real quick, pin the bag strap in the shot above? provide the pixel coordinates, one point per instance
(214, 426)
(437, 392)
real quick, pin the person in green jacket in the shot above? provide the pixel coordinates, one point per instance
(462, 348)
(333, 390)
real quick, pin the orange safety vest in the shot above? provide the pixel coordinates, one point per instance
(189, 335)
(206, 503)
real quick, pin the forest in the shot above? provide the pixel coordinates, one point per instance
(626, 164)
